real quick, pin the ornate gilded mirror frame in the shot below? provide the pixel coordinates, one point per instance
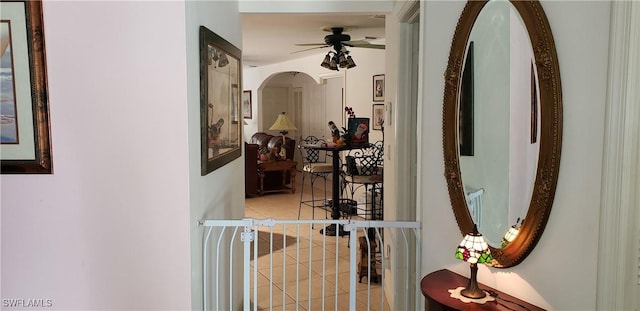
(550, 93)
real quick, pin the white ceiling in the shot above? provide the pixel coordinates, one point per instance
(271, 38)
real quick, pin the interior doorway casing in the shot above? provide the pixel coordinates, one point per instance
(401, 134)
(296, 92)
(619, 245)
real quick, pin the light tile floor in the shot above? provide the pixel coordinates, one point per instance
(309, 268)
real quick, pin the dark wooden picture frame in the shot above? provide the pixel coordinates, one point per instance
(378, 88)
(534, 106)
(220, 85)
(377, 115)
(247, 108)
(465, 110)
(27, 153)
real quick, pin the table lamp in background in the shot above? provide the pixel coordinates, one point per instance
(284, 125)
(474, 250)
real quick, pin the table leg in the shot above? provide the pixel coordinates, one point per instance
(335, 198)
(261, 174)
(335, 184)
(292, 171)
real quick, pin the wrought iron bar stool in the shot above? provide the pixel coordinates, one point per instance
(314, 166)
(363, 169)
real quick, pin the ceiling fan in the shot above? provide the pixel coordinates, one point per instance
(339, 57)
(338, 40)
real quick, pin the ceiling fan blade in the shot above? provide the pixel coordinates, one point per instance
(363, 44)
(309, 49)
(310, 44)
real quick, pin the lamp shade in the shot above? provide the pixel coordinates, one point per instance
(473, 249)
(326, 63)
(350, 62)
(283, 124)
(511, 234)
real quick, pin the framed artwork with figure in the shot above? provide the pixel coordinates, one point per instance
(378, 88)
(358, 129)
(246, 105)
(220, 85)
(378, 116)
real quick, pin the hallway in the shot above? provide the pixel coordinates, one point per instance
(309, 264)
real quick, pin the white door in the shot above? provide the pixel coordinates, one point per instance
(296, 111)
(334, 105)
(275, 100)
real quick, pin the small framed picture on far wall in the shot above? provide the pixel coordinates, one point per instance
(378, 116)
(246, 105)
(378, 88)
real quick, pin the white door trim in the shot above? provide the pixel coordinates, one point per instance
(618, 252)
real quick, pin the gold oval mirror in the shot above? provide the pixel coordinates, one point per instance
(545, 130)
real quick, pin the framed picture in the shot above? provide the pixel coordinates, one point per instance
(465, 109)
(24, 112)
(358, 129)
(534, 107)
(378, 88)
(234, 104)
(378, 116)
(220, 84)
(246, 105)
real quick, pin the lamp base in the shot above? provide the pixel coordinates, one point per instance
(472, 290)
(283, 151)
(455, 293)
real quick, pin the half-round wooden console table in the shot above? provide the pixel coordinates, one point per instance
(435, 288)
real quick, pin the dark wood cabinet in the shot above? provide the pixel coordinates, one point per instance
(435, 288)
(285, 168)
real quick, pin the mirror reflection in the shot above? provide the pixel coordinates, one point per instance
(498, 122)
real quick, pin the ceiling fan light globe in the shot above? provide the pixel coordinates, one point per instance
(326, 63)
(342, 60)
(350, 62)
(333, 65)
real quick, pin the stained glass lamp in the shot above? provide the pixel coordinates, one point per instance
(474, 250)
(511, 233)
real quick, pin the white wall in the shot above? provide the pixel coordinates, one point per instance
(220, 194)
(109, 229)
(548, 277)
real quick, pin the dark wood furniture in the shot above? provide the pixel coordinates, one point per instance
(285, 167)
(435, 288)
(257, 142)
(251, 169)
